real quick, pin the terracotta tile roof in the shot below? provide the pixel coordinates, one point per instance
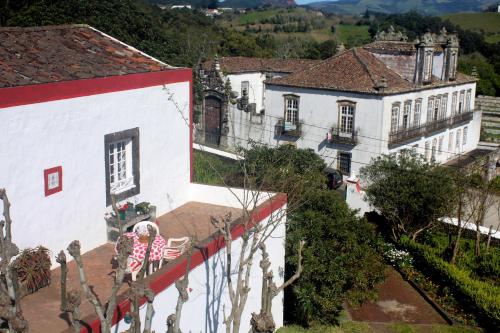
(67, 52)
(397, 47)
(234, 65)
(356, 70)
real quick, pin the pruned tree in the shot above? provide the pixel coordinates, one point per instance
(173, 320)
(70, 301)
(263, 322)
(10, 307)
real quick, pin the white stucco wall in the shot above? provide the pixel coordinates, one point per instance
(319, 111)
(70, 133)
(208, 298)
(256, 86)
(473, 127)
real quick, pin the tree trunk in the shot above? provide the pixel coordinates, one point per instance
(456, 246)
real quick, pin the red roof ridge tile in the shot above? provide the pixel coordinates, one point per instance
(46, 27)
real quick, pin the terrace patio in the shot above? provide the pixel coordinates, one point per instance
(41, 309)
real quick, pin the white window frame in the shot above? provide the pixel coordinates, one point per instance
(464, 136)
(444, 107)
(461, 105)
(417, 112)
(437, 109)
(468, 100)
(457, 140)
(454, 98)
(405, 119)
(120, 166)
(291, 112)
(347, 116)
(450, 142)
(395, 117)
(430, 108)
(440, 145)
(434, 150)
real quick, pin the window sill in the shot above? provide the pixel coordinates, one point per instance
(123, 189)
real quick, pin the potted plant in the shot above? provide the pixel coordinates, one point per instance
(143, 208)
(33, 269)
(122, 212)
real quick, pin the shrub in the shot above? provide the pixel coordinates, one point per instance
(481, 297)
(340, 262)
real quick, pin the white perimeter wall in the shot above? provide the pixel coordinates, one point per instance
(208, 294)
(70, 133)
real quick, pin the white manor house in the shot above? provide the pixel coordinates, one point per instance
(389, 95)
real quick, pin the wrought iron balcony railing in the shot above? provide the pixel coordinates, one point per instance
(415, 132)
(461, 118)
(337, 136)
(406, 134)
(286, 129)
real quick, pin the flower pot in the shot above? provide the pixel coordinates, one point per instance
(122, 214)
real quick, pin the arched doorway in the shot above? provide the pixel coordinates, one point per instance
(213, 120)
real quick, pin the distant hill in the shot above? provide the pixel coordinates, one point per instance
(431, 7)
(227, 3)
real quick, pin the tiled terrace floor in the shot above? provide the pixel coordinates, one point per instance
(41, 309)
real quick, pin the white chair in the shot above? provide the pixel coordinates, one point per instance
(133, 267)
(175, 248)
(145, 224)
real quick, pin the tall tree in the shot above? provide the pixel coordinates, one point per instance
(409, 192)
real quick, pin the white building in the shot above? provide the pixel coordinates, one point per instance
(386, 96)
(234, 97)
(83, 115)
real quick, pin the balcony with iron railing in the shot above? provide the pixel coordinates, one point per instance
(404, 135)
(461, 118)
(284, 130)
(413, 133)
(340, 137)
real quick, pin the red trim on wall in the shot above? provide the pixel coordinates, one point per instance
(191, 124)
(162, 282)
(46, 174)
(40, 93)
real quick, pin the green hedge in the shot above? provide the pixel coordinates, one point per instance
(482, 297)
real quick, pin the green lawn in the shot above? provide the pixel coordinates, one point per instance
(352, 34)
(489, 23)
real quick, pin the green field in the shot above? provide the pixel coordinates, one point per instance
(486, 23)
(258, 21)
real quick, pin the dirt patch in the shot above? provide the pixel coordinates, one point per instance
(397, 302)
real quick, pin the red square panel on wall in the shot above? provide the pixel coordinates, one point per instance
(53, 180)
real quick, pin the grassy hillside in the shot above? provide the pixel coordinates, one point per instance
(434, 7)
(485, 23)
(298, 23)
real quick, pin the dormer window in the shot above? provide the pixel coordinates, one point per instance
(453, 65)
(428, 66)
